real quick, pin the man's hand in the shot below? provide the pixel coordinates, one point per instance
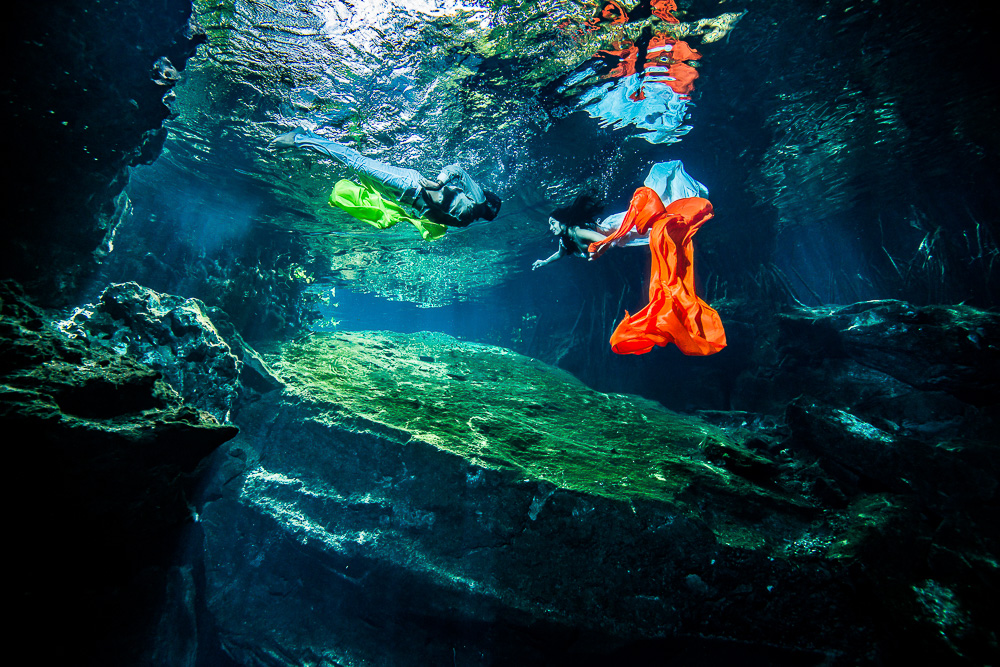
(428, 184)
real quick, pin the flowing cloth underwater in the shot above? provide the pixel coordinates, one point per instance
(364, 202)
(675, 314)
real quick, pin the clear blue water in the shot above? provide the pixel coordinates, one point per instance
(838, 168)
(837, 165)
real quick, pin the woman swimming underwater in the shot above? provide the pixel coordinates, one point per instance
(575, 227)
(664, 214)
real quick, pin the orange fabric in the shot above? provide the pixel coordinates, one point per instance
(681, 51)
(614, 12)
(627, 59)
(674, 314)
(663, 9)
(682, 75)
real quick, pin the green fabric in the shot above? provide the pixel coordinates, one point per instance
(365, 203)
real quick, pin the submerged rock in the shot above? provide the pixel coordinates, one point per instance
(954, 349)
(915, 372)
(102, 454)
(414, 500)
(196, 349)
(889, 401)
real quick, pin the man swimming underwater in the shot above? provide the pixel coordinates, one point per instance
(454, 199)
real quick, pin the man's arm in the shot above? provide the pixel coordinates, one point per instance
(444, 178)
(455, 175)
(428, 184)
(450, 172)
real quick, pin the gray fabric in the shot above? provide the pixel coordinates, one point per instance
(403, 185)
(467, 193)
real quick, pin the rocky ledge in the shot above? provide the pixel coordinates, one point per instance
(416, 500)
(102, 453)
(194, 347)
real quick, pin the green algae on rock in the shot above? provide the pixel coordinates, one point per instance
(498, 409)
(507, 499)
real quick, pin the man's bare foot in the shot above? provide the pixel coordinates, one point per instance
(285, 141)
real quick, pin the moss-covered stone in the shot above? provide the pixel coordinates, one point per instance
(401, 477)
(195, 348)
(466, 501)
(499, 409)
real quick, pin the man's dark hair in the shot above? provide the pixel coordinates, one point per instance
(492, 205)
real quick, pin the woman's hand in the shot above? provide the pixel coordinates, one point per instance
(595, 252)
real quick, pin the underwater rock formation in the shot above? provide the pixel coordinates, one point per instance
(913, 371)
(954, 349)
(194, 347)
(101, 452)
(413, 499)
(887, 400)
(84, 84)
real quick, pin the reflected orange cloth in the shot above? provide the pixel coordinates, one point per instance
(679, 75)
(674, 314)
(684, 76)
(681, 51)
(613, 12)
(664, 9)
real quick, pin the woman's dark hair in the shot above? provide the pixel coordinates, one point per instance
(492, 205)
(583, 212)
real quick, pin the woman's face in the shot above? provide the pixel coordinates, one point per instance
(555, 226)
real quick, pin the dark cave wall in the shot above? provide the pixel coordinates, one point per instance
(82, 104)
(107, 458)
(851, 146)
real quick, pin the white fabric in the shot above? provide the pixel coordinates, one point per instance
(661, 113)
(671, 182)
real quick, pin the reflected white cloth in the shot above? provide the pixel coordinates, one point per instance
(671, 182)
(662, 112)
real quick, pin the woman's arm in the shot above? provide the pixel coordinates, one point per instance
(642, 210)
(586, 236)
(561, 252)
